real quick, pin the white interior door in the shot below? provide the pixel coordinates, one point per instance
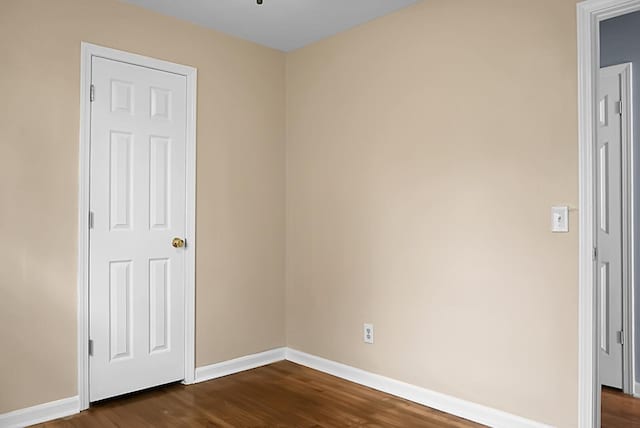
(609, 224)
(137, 199)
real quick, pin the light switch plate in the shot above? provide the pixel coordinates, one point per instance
(560, 219)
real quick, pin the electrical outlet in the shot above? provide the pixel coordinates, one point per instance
(368, 333)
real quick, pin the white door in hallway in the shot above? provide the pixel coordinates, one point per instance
(609, 227)
(137, 201)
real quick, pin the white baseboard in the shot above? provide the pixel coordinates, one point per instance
(41, 413)
(69, 406)
(236, 365)
(455, 406)
(636, 389)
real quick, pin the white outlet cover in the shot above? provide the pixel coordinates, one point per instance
(560, 219)
(368, 333)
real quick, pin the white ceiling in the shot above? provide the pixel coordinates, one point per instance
(281, 24)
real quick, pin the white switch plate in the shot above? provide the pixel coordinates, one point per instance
(560, 219)
(368, 333)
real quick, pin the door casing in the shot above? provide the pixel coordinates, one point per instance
(88, 51)
(589, 15)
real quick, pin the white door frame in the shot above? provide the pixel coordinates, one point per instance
(589, 14)
(87, 52)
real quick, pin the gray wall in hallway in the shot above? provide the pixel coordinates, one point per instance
(620, 43)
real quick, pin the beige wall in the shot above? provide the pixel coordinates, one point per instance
(424, 151)
(240, 227)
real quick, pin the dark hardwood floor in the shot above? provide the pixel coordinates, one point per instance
(619, 410)
(283, 394)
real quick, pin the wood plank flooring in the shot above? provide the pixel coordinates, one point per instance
(619, 410)
(283, 394)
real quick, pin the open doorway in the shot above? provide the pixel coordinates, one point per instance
(616, 220)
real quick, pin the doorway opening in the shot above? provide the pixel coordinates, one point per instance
(614, 236)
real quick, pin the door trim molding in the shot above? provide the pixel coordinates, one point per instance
(87, 51)
(589, 15)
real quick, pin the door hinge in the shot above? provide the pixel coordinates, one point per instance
(595, 253)
(621, 337)
(90, 347)
(92, 93)
(90, 219)
(619, 107)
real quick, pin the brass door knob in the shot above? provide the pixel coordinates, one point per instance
(177, 243)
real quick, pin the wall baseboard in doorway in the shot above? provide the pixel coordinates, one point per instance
(41, 413)
(248, 362)
(445, 403)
